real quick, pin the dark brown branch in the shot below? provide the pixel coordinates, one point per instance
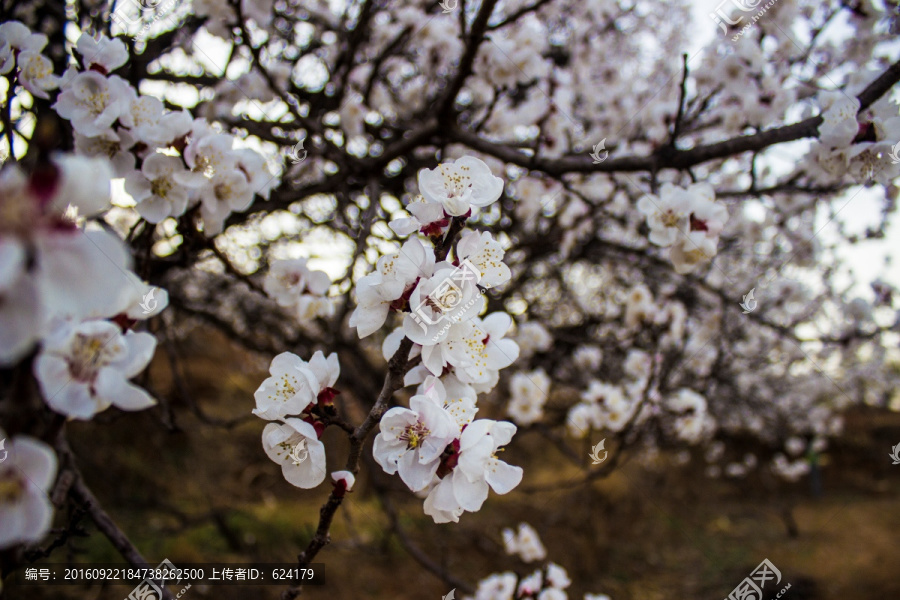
(519, 14)
(667, 157)
(676, 128)
(479, 27)
(82, 494)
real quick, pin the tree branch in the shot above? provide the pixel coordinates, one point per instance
(667, 157)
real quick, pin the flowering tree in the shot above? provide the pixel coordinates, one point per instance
(524, 203)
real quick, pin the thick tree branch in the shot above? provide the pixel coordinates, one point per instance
(667, 157)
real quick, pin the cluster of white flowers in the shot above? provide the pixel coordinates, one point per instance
(533, 337)
(67, 284)
(546, 583)
(713, 455)
(292, 398)
(861, 144)
(435, 445)
(602, 406)
(440, 450)
(296, 287)
(221, 16)
(686, 220)
(524, 543)
(694, 424)
(611, 407)
(21, 49)
(793, 463)
(183, 161)
(528, 392)
(450, 190)
(747, 94)
(27, 474)
(788, 469)
(517, 57)
(68, 293)
(60, 281)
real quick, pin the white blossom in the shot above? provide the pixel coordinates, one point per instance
(500, 586)
(460, 185)
(533, 337)
(162, 187)
(101, 51)
(381, 290)
(412, 439)
(84, 368)
(293, 285)
(225, 193)
(291, 388)
(524, 542)
(26, 478)
(528, 394)
(839, 125)
(477, 348)
(279, 442)
(477, 469)
(486, 254)
(36, 74)
(93, 102)
(449, 296)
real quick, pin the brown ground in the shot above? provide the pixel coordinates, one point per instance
(664, 532)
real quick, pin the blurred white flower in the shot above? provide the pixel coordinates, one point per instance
(36, 74)
(293, 285)
(839, 124)
(533, 337)
(528, 393)
(500, 586)
(524, 543)
(226, 192)
(101, 51)
(162, 187)
(26, 477)
(93, 102)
